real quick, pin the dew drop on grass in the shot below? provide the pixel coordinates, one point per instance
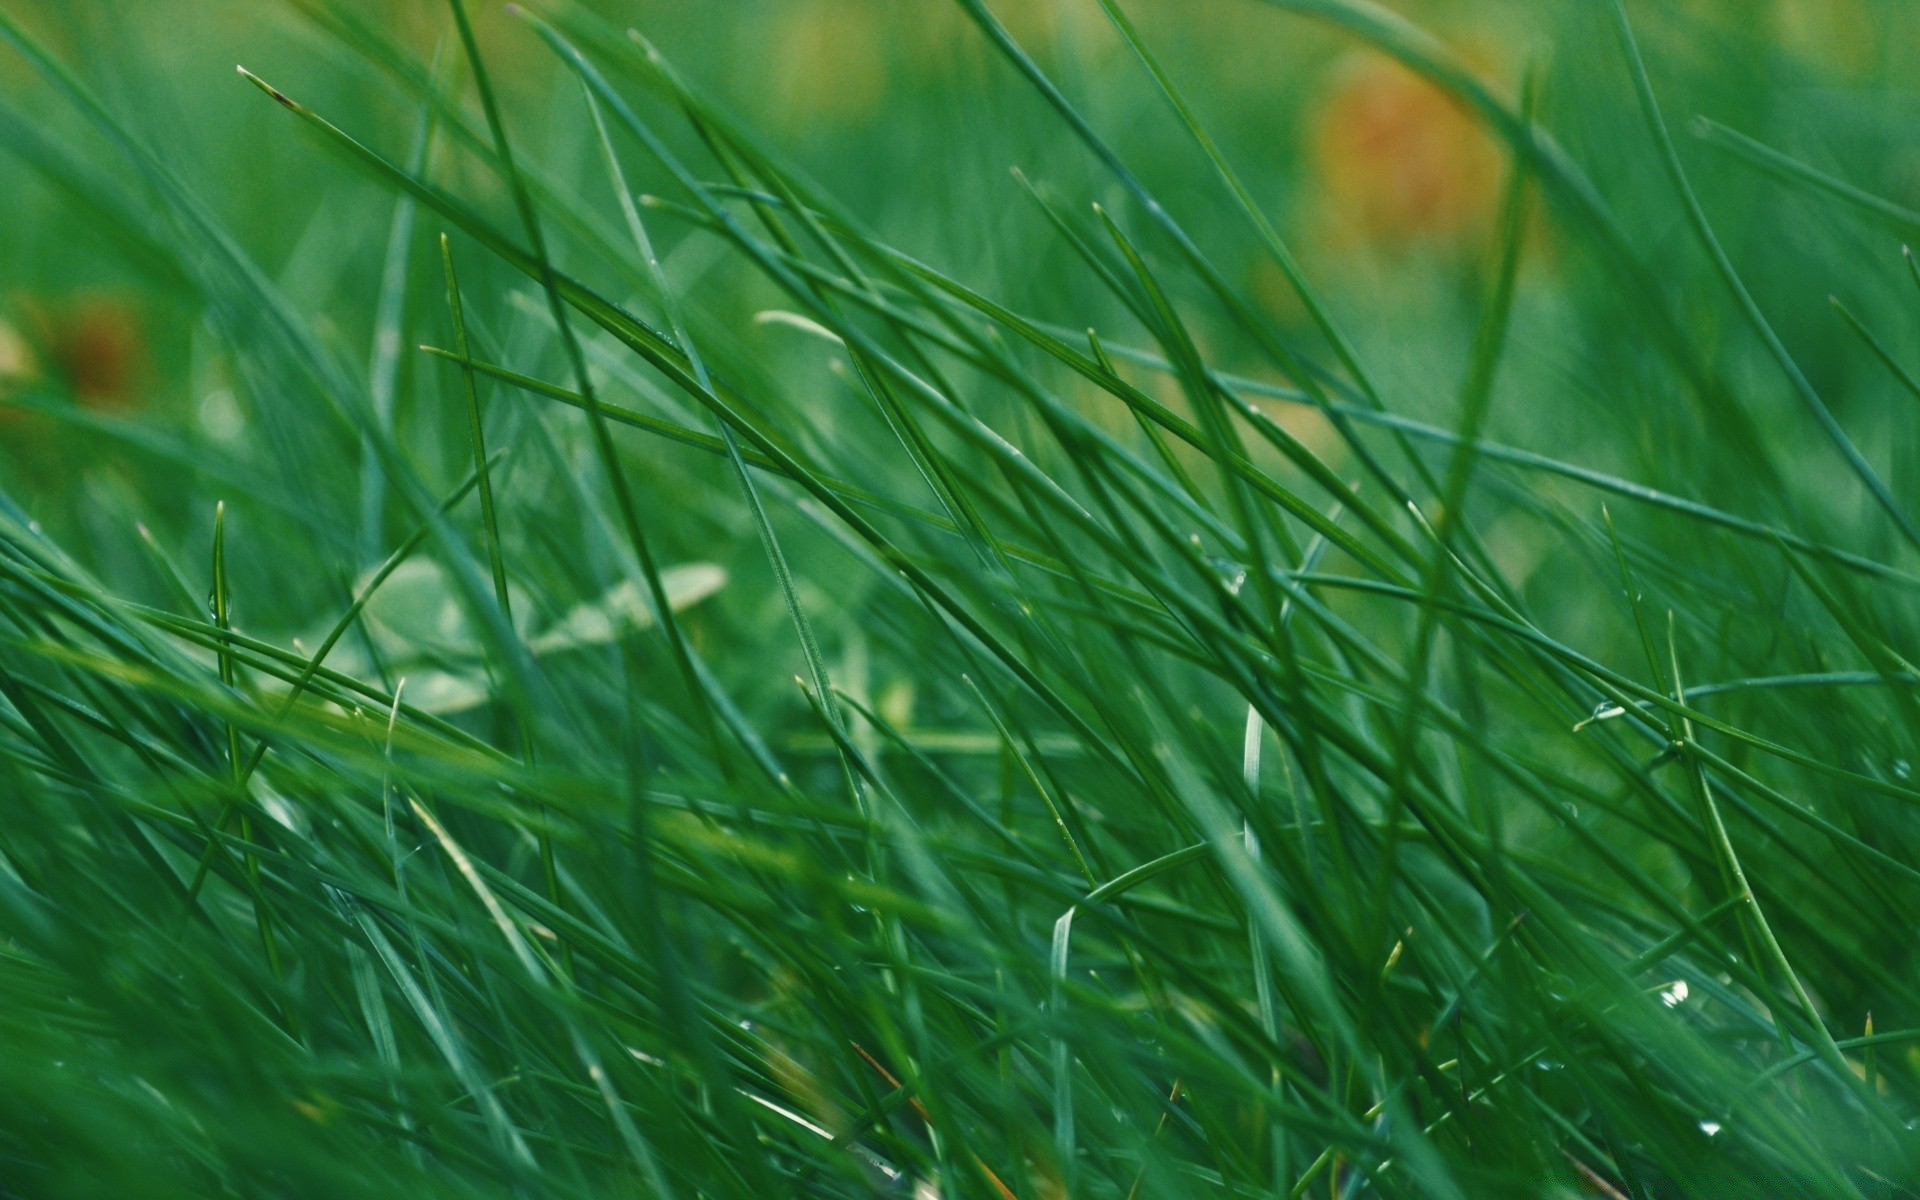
(1232, 573)
(1709, 1127)
(1675, 995)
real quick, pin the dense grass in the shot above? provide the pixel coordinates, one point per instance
(1155, 677)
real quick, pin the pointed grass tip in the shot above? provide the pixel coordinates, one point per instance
(279, 96)
(640, 39)
(1604, 711)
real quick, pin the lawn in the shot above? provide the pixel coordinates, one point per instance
(1024, 599)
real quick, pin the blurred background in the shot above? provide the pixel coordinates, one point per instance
(122, 404)
(122, 407)
(1383, 186)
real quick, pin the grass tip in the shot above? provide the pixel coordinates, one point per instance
(778, 316)
(279, 96)
(640, 40)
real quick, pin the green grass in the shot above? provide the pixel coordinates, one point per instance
(647, 625)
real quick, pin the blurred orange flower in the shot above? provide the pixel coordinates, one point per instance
(97, 346)
(1398, 160)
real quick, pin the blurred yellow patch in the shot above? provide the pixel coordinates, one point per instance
(1397, 161)
(17, 362)
(1839, 34)
(1311, 428)
(830, 61)
(1036, 24)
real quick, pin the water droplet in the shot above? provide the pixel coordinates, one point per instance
(1675, 995)
(1233, 574)
(1902, 768)
(1547, 1064)
(1709, 1127)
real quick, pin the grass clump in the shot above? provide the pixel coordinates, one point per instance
(628, 666)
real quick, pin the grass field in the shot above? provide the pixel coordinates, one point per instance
(959, 598)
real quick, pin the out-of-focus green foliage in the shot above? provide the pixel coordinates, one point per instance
(1073, 598)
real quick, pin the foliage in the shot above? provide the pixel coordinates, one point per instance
(1177, 674)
